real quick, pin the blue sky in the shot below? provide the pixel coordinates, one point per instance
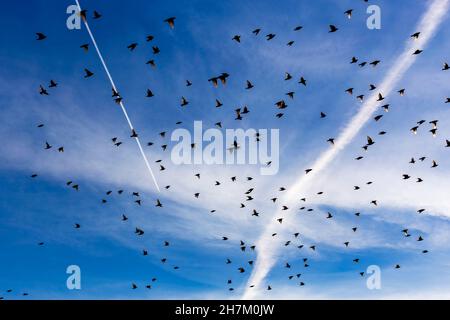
(80, 115)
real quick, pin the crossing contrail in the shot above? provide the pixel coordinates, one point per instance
(266, 248)
(122, 106)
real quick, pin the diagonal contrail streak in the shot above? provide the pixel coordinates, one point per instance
(266, 248)
(122, 106)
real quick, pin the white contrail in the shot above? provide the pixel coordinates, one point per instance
(122, 106)
(266, 248)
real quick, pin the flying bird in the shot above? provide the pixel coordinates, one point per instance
(43, 91)
(415, 35)
(132, 46)
(348, 13)
(88, 73)
(171, 22)
(96, 15)
(40, 36)
(332, 28)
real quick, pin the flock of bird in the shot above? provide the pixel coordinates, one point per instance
(281, 104)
